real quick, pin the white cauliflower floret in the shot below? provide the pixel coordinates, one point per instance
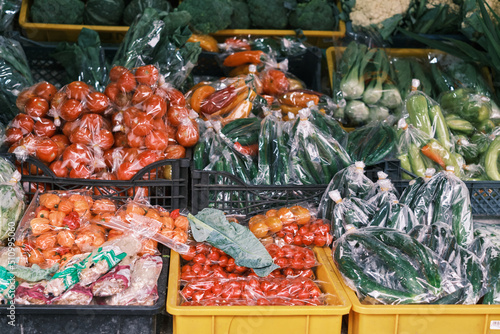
(368, 12)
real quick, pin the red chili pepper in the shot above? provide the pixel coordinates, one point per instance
(218, 100)
(174, 214)
(251, 150)
(72, 220)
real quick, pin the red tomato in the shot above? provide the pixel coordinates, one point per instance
(144, 124)
(320, 240)
(69, 127)
(36, 107)
(175, 97)
(130, 116)
(156, 140)
(13, 135)
(120, 139)
(274, 82)
(177, 114)
(104, 139)
(135, 141)
(46, 150)
(175, 152)
(80, 172)
(59, 169)
(71, 109)
(58, 100)
(45, 90)
(159, 125)
(147, 157)
(155, 106)
(126, 83)
(93, 121)
(23, 97)
(116, 72)
(44, 127)
(23, 122)
(112, 91)
(97, 102)
(147, 75)
(81, 136)
(190, 254)
(199, 258)
(76, 154)
(77, 90)
(130, 154)
(72, 220)
(187, 134)
(141, 94)
(126, 171)
(308, 238)
(62, 142)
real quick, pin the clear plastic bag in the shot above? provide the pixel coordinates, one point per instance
(295, 257)
(11, 199)
(439, 238)
(384, 195)
(386, 266)
(393, 214)
(315, 156)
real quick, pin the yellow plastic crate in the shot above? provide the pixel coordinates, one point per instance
(419, 319)
(47, 32)
(260, 319)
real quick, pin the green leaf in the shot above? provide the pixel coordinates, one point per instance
(211, 225)
(33, 273)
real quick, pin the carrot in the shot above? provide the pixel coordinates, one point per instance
(434, 156)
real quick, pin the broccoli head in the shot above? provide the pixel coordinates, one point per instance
(208, 16)
(136, 7)
(314, 15)
(270, 14)
(57, 11)
(240, 18)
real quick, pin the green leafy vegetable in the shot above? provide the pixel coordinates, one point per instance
(136, 7)
(211, 225)
(103, 12)
(57, 11)
(84, 60)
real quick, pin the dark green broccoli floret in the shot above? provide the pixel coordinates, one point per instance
(57, 11)
(103, 12)
(208, 16)
(240, 18)
(136, 7)
(314, 15)
(270, 14)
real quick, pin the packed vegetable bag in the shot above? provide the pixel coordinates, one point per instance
(12, 199)
(362, 80)
(315, 157)
(347, 213)
(440, 239)
(297, 225)
(386, 266)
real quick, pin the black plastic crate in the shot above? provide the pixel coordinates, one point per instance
(169, 193)
(74, 319)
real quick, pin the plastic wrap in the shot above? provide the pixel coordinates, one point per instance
(384, 195)
(381, 183)
(253, 291)
(143, 288)
(315, 156)
(11, 199)
(8, 285)
(371, 143)
(77, 295)
(31, 294)
(440, 239)
(295, 257)
(275, 220)
(391, 213)
(386, 266)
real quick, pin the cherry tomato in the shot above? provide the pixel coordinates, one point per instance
(155, 106)
(77, 90)
(147, 75)
(308, 238)
(320, 240)
(97, 102)
(141, 94)
(120, 139)
(23, 122)
(223, 261)
(46, 150)
(71, 109)
(45, 90)
(190, 254)
(81, 136)
(126, 171)
(177, 114)
(135, 141)
(144, 124)
(104, 139)
(13, 135)
(126, 83)
(199, 258)
(76, 154)
(58, 100)
(36, 107)
(80, 172)
(23, 97)
(72, 220)
(274, 82)
(187, 134)
(112, 91)
(156, 140)
(44, 127)
(59, 169)
(147, 157)
(116, 72)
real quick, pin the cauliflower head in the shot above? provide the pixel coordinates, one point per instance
(368, 12)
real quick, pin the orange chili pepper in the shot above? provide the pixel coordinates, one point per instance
(199, 95)
(207, 42)
(243, 57)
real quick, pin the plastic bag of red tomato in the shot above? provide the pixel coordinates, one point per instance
(61, 224)
(295, 225)
(252, 291)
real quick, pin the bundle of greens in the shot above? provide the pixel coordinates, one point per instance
(8, 9)
(15, 76)
(84, 60)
